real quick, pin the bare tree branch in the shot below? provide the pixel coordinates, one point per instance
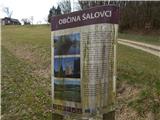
(7, 11)
(65, 6)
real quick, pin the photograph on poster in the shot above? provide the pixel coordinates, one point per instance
(67, 89)
(67, 44)
(67, 67)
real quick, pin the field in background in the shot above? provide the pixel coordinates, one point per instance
(150, 39)
(26, 84)
(138, 84)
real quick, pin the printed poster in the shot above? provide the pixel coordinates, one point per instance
(84, 61)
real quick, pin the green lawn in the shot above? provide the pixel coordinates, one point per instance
(136, 66)
(24, 95)
(26, 84)
(141, 70)
(154, 39)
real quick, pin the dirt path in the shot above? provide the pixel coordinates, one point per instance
(153, 49)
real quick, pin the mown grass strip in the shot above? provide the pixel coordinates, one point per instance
(24, 96)
(136, 66)
(155, 40)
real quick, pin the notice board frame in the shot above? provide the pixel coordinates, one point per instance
(73, 26)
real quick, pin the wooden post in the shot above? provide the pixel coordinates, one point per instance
(109, 116)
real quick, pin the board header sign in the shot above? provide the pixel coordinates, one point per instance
(97, 15)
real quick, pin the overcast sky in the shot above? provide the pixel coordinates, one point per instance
(39, 9)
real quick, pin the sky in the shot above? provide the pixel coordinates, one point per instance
(39, 9)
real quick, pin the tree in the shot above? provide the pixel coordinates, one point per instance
(7, 11)
(65, 6)
(31, 19)
(46, 19)
(53, 11)
(76, 6)
(134, 15)
(26, 21)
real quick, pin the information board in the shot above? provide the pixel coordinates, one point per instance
(84, 61)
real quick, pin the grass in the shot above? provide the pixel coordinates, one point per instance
(26, 85)
(141, 69)
(136, 66)
(31, 43)
(26, 94)
(150, 39)
(23, 94)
